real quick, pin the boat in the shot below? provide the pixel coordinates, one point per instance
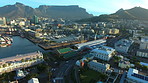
(3, 45)
(5, 41)
(22, 35)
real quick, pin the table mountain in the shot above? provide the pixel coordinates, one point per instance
(20, 10)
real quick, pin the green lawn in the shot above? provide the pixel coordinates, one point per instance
(91, 76)
(64, 50)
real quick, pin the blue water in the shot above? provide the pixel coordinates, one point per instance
(19, 46)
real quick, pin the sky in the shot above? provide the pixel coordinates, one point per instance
(95, 7)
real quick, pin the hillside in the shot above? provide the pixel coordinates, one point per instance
(133, 13)
(20, 10)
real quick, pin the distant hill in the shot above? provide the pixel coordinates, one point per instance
(133, 13)
(21, 10)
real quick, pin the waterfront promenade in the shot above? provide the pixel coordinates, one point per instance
(20, 61)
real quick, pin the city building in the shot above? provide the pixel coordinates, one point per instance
(103, 52)
(85, 59)
(20, 61)
(109, 31)
(33, 80)
(13, 82)
(35, 20)
(2, 21)
(144, 43)
(142, 53)
(91, 43)
(66, 39)
(133, 76)
(115, 31)
(81, 62)
(19, 74)
(22, 23)
(144, 64)
(123, 45)
(125, 64)
(100, 67)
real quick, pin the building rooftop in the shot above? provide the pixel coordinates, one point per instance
(33, 80)
(104, 50)
(101, 51)
(124, 43)
(101, 65)
(91, 43)
(125, 62)
(64, 50)
(134, 74)
(144, 64)
(143, 50)
(19, 56)
(144, 39)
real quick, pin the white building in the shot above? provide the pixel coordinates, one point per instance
(144, 43)
(100, 67)
(123, 45)
(133, 76)
(79, 62)
(20, 61)
(33, 80)
(125, 64)
(142, 53)
(20, 74)
(2, 21)
(91, 43)
(104, 53)
(85, 58)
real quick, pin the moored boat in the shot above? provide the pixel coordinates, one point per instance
(5, 41)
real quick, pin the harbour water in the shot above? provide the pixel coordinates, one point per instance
(19, 46)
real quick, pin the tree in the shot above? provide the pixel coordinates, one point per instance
(23, 60)
(34, 59)
(32, 75)
(26, 60)
(9, 64)
(42, 67)
(117, 58)
(145, 67)
(30, 60)
(103, 76)
(49, 74)
(113, 73)
(4, 65)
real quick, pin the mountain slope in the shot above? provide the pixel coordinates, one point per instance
(133, 13)
(21, 10)
(64, 12)
(17, 10)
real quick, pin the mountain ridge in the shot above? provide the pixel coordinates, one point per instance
(71, 12)
(136, 13)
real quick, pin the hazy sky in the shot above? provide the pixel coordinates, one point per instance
(95, 7)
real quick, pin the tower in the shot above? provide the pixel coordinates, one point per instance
(35, 20)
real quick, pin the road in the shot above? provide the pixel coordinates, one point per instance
(63, 70)
(76, 75)
(123, 77)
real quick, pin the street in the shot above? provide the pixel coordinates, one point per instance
(62, 71)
